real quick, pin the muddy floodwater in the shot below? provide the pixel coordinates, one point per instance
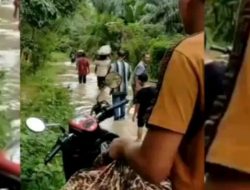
(83, 97)
(9, 65)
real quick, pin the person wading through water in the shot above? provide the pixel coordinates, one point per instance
(82, 65)
(173, 147)
(16, 13)
(103, 65)
(119, 94)
(228, 145)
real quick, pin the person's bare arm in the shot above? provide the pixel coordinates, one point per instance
(169, 120)
(153, 159)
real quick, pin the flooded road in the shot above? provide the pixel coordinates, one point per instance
(9, 64)
(83, 97)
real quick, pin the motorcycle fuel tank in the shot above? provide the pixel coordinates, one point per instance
(83, 123)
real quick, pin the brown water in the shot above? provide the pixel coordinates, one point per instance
(10, 63)
(83, 97)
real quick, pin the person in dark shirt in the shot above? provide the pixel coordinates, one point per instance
(143, 100)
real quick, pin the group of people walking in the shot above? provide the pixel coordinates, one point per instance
(137, 79)
(142, 94)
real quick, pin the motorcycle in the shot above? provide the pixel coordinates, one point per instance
(10, 169)
(84, 140)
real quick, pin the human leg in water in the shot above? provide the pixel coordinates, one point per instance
(80, 78)
(123, 108)
(84, 79)
(131, 103)
(116, 100)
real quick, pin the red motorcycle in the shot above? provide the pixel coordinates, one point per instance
(10, 169)
(85, 139)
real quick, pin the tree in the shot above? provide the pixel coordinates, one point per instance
(165, 12)
(40, 22)
(220, 19)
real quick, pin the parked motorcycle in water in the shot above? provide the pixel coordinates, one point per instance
(84, 140)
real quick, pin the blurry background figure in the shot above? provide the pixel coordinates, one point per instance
(16, 14)
(103, 64)
(82, 65)
(17, 8)
(72, 56)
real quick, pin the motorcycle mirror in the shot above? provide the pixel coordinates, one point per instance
(35, 124)
(113, 80)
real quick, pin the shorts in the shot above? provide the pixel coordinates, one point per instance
(141, 122)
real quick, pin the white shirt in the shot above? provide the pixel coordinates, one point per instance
(102, 67)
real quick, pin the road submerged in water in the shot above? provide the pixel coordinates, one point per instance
(10, 65)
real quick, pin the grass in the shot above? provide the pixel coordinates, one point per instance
(58, 56)
(4, 126)
(4, 122)
(40, 98)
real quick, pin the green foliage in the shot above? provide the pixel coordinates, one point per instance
(221, 20)
(4, 121)
(4, 127)
(66, 7)
(41, 13)
(58, 57)
(39, 43)
(2, 74)
(38, 13)
(50, 30)
(157, 50)
(52, 104)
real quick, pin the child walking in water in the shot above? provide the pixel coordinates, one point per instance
(82, 65)
(143, 99)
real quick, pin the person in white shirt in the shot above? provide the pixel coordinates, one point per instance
(103, 66)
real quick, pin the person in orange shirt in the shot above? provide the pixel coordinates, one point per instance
(229, 153)
(173, 146)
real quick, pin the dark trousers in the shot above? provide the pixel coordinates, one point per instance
(100, 81)
(82, 79)
(119, 113)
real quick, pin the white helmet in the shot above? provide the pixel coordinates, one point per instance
(104, 50)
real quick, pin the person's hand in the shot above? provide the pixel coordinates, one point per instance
(116, 150)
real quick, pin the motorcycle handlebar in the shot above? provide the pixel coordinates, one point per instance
(110, 111)
(51, 155)
(57, 148)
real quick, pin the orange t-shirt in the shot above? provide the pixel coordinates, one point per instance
(231, 146)
(183, 83)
